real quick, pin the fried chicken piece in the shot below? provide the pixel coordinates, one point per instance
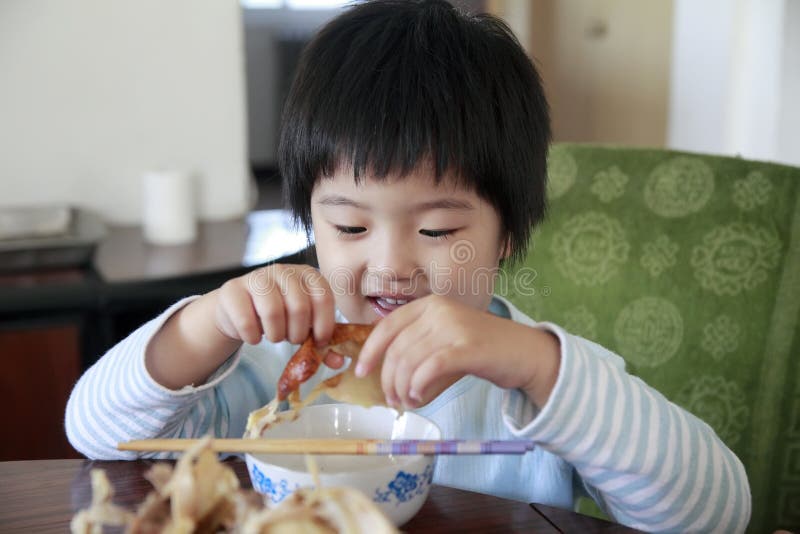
(347, 340)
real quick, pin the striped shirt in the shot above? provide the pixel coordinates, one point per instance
(603, 433)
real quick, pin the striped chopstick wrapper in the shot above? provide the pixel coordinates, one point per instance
(337, 446)
(402, 447)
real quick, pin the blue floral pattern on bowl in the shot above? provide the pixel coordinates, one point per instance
(275, 490)
(404, 486)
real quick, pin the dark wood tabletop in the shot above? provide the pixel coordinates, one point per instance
(43, 495)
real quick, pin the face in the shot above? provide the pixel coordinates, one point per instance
(381, 244)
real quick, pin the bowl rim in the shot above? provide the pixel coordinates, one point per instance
(404, 460)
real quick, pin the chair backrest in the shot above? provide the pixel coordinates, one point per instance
(688, 266)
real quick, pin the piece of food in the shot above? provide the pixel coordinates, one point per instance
(347, 340)
(198, 492)
(202, 495)
(197, 495)
(102, 511)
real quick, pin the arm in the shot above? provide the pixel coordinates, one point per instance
(189, 347)
(647, 462)
(651, 464)
(166, 378)
(277, 302)
(117, 400)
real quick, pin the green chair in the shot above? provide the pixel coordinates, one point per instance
(688, 266)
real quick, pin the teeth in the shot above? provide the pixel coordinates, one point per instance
(393, 302)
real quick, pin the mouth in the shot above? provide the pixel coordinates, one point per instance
(386, 304)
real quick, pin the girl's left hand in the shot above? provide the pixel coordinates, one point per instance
(430, 343)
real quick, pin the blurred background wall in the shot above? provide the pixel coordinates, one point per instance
(605, 64)
(718, 76)
(714, 76)
(93, 93)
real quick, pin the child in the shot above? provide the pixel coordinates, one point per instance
(414, 147)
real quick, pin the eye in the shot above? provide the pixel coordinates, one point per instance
(350, 230)
(437, 234)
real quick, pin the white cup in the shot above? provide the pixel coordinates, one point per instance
(168, 208)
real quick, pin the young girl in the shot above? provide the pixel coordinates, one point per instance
(414, 147)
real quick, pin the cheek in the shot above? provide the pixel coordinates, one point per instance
(467, 271)
(339, 266)
(334, 266)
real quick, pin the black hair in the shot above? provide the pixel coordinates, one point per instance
(391, 84)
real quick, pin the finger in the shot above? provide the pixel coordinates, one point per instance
(323, 308)
(239, 309)
(334, 360)
(434, 375)
(268, 305)
(384, 333)
(271, 314)
(297, 303)
(403, 356)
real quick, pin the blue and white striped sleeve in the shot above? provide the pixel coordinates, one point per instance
(647, 462)
(117, 400)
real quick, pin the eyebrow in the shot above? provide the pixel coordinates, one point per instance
(442, 203)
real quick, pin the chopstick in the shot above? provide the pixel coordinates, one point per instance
(337, 446)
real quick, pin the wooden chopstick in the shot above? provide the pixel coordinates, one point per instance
(336, 446)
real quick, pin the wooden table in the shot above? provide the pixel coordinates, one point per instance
(42, 496)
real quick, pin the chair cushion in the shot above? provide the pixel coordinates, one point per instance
(688, 266)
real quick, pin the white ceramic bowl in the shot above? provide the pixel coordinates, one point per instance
(399, 485)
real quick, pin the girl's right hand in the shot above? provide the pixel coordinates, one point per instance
(280, 302)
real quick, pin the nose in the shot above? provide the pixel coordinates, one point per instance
(394, 259)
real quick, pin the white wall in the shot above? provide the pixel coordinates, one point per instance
(789, 119)
(735, 78)
(95, 92)
(605, 65)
